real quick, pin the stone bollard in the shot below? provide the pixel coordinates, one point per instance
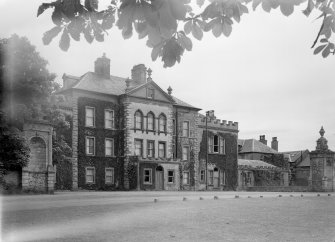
(291, 195)
(301, 195)
(201, 198)
(237, 196)
(279, 195)
(261, 196)
(155, 200)
(249, 196)
(318, 195)
(184, 198)
(329, 195)
(216, 197)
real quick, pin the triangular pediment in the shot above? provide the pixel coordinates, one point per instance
(150, 90)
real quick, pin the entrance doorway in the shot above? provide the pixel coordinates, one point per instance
(216, 178)
(159, 181)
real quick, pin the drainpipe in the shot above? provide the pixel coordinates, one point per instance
(206, 150)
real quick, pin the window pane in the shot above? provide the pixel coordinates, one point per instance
(138, 120)
(185, 152)
(186, 129)
(150, 152)
(90, 175)
(90, 146)
(109, 119)
(162, 124)
(89, 113)
(216, 143)
(109, 147)
(150, 122)
(138, 147)
(161, 150)
(170, 176)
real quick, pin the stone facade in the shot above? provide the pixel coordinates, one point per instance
(322, 169)
(152, 150)
(39, 174)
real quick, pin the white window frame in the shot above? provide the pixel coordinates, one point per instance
(210, 144)
(141, 141)
(164, 120)
(164, 144)
(150, 176)
(173, 172)
(153, 148)
(93, 108)
(188, 129)
(86, 145)
(222, 145)
(112, 151)
(112, 175)
(141, 120)
(188, 178)
(113, 118)
(222, 177)
(90, 168)
(188, 153)
(153, 121)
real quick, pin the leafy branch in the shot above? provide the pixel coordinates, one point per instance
(168, 25)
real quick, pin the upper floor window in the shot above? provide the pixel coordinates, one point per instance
(90, 145)
(161, 150)
(109, 119)
(151, 121)
(186, 178)
(151, 148)
(216, 144)
(138, 120)
(162, 123)
(210, 145)
(186, 152)
(109, 147)
(138, 147)
(89, 117)
(186, 128)
(150, 93)
(222, 146)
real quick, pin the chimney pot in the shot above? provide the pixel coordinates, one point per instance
(263, 140)
(139, 74)
(102, 66)
(274, 143)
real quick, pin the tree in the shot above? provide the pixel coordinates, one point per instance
(168, 24)
(27, 88)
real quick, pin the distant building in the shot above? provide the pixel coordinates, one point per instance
(131, 134)
(261, 166)
(299, 167)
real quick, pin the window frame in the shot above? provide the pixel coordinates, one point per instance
(188, 177)
(153, 121)
(93, 108)
(168, 175)
(113, 178)
(222, 145)
(152, 93)
(86, 145)
(153, 148)
(211, 177)
(135, 120)
(150, 176)
(222, 175)
(210, 144)
(112, 152)
(141, 141)
(90, 168)
(217, 146)
(113, 118)
(188, 153)
(188, 128)
(164, 144)
(162, 117)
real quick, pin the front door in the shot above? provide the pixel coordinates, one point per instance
(159, 180)
(216, 178)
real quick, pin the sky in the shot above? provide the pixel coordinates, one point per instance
(263, 76)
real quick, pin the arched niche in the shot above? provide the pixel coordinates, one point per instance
(38, 154)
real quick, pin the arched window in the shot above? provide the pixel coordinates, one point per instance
(162, 123)
(150, 121)
(138, 120)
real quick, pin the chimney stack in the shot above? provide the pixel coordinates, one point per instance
(139, 74)
(102, 66)
(263, 140)
(274, 143)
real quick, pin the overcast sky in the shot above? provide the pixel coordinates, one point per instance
(263, 76)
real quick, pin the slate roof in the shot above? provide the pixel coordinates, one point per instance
(254, 146)
(114, 86)
(300, 157)
(256, 164)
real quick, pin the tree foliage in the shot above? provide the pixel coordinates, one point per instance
(27, 88)
(169, 25)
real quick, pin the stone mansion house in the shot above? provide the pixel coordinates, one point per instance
(129, 134)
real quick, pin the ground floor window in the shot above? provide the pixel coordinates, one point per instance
(147, 176)
(211, 177)
(109, 175)
(202, 175)
(90, 175)
(170, 176)
(186, 178)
